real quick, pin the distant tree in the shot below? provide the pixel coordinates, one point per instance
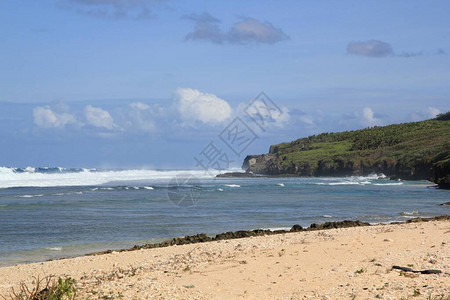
(443, 116)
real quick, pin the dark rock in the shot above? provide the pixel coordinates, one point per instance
(438, 218)
(236, 174)
(445, 204)
(200, 238)
(296, 228)
(340, 224)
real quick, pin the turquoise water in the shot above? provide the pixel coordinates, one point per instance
(49, 222)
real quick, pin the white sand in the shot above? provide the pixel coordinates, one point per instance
(351, 263)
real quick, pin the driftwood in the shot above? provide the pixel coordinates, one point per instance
(405, 269)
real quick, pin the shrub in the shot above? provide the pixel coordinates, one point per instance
(48, 288)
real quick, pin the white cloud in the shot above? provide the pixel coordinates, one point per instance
(432, 112)
(99, 117)
(271, 115)
(265, 113)
(139, 105)
(194, 105)
(140, 118)
(251, 30)
(371, 48)
(368, 117)
(206, 28)
(424, 114)
(306, 119)
(247, 31)
(47, 118)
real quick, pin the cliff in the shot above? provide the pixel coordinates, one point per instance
(417, 150)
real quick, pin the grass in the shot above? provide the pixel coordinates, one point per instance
(47, 288)
(411, 147)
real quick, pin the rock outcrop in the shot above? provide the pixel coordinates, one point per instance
(410, 151)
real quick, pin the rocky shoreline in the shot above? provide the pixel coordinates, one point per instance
(397, 261)
(202, 238)
(407, 151)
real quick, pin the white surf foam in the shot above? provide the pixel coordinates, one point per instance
(327, 216)
(220, 190)
(54, 248)
(280, 184)
(277, 228)
(233, 185)
(10, 178)
(389, 183)
(149, 188)
(410, 213)
(343, 183)
(31, 196)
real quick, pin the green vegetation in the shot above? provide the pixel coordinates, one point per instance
(418, 150)
(47, 288)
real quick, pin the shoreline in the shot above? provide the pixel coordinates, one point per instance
(247, 174)
(231, 235)
(239, 234)
(337, 263)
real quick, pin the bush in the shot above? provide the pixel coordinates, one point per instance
(443, 117)
(47, 288)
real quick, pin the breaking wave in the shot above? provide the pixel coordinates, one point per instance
(58, 176)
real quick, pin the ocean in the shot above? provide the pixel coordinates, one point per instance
(49, 213)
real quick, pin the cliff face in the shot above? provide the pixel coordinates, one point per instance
(268, 164)
(419, 150)
(441, 173)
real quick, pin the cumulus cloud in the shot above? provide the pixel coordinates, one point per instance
(368, 117)
(304, 117)
(194, 105)
(45, 117)
(98, 117)
(266, 113)
(247, 31)
(140, 118)
(371, 48)
(112, 9)
(139, 106)
(424, 114)
(432, 112)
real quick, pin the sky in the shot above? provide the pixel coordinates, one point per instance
(162, 83)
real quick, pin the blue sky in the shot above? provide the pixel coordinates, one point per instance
(147, 83)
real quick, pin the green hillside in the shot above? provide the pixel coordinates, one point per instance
(418, 150)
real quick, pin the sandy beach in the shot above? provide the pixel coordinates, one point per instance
(347, 263)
